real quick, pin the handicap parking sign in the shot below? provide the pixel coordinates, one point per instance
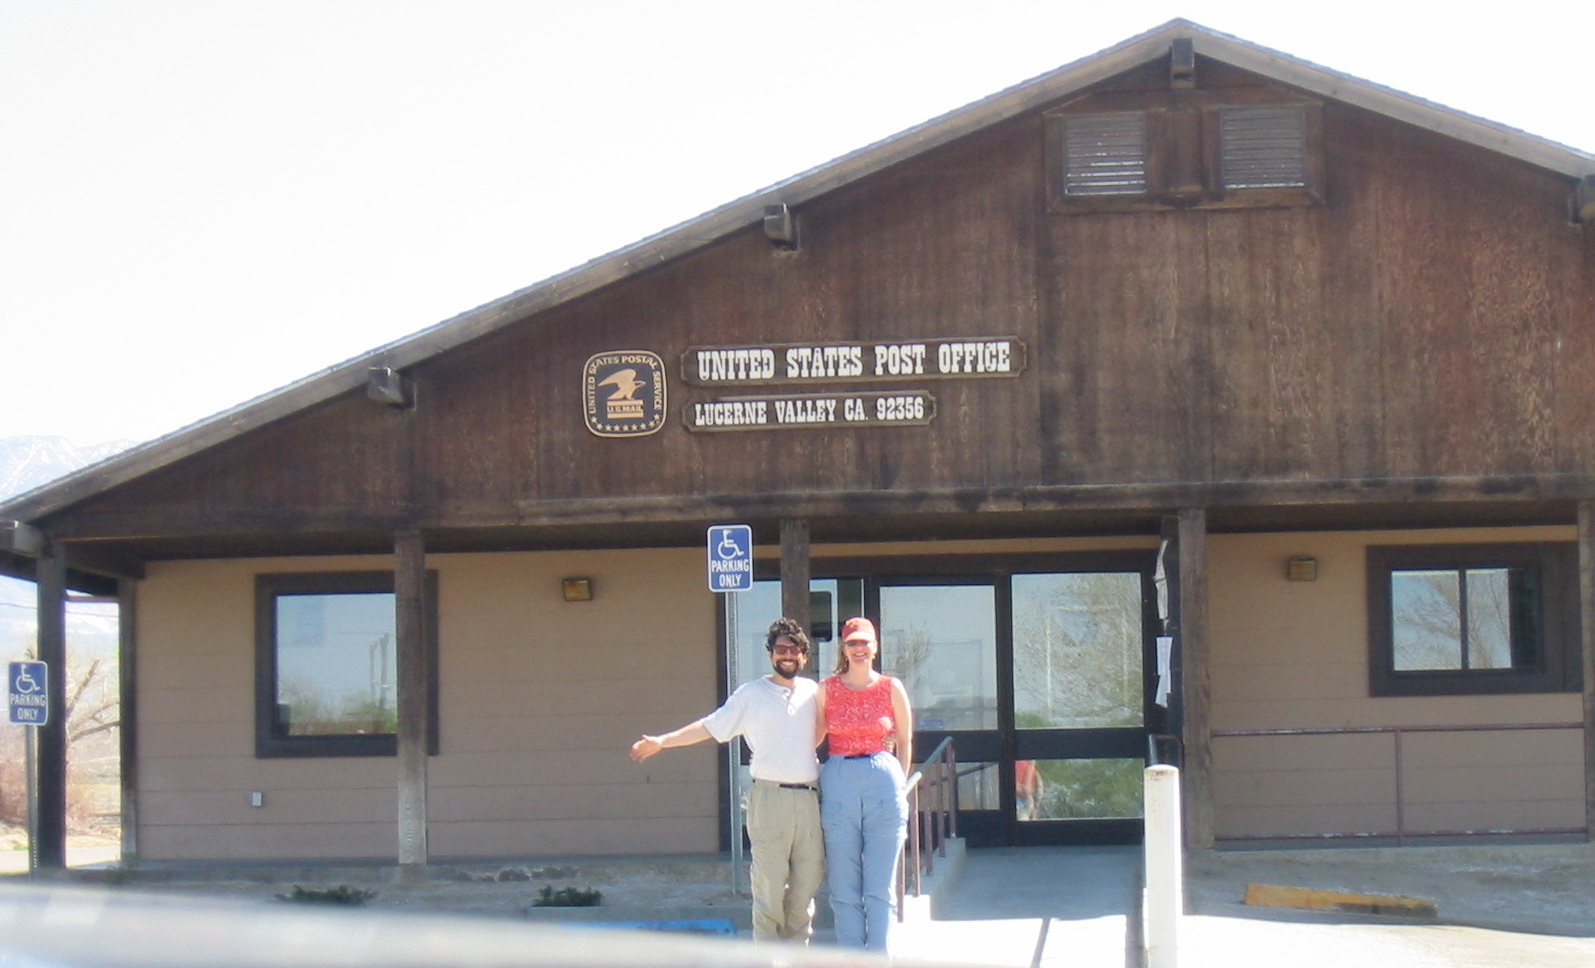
(30, 697)
(731, 558)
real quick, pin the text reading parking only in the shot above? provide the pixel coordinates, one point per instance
(731, 558)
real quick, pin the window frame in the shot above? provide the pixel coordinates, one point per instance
(1310, 192)
(270, 741)
(1184, 152)
(1559, 649)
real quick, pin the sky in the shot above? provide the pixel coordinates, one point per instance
(204, 200)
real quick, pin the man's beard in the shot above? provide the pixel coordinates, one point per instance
(786, 668)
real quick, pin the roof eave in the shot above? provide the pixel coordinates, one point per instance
(716, 224)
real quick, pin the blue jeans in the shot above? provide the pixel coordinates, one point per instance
(864, 813)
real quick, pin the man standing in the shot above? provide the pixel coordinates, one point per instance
(777, 716)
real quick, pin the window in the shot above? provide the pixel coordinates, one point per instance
(1263, 147)
(1105, 154)
(1235, 148)
(326, 671)
(1470, 619)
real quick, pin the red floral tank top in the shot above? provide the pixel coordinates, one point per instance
(858, 722)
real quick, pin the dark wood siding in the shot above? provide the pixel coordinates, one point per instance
(1432, 320)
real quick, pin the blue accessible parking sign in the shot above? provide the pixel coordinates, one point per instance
(731, 558)
(30, 698)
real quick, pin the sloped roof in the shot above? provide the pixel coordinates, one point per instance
(675, 242)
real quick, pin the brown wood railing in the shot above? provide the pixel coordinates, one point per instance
(932, 819)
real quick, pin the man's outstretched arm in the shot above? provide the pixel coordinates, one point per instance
(687, 735)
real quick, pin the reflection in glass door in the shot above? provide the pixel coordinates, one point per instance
(941, 640)
(1079, 696)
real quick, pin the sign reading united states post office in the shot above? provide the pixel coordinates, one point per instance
(960, 358)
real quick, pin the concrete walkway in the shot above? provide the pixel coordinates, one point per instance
(1032, 906)
(1037, 907)
(1497, 907)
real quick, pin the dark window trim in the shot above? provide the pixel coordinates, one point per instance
(268, 742)
(1184, 152)
(1311, 192)
(1559, 669)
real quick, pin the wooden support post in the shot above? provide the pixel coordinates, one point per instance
(795, 570)
(1195, 685)
(410, 624)
(127, 684)
(48, 838)
(1586, 596)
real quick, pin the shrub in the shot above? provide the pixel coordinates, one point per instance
(567, 897)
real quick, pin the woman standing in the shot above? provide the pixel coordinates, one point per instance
(863, 805)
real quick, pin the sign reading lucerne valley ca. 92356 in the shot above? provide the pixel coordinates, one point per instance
(730, 558)
(30, 698)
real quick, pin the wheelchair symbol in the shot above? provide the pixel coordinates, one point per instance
(728, 547)
(25, 684)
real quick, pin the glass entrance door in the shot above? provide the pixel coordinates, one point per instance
(1040, 678)
(1079, 706)
(1036, 667)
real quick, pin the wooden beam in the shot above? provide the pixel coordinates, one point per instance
(99, 561)
(22, 539)
(127, 716)
(1420, 492)
(795, 570)
(1586, 596)
(49, 835)
(1195, 683)
(409, 583)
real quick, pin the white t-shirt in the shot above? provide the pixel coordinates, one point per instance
(778, 725)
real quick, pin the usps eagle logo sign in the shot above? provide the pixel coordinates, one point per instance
(623, 393)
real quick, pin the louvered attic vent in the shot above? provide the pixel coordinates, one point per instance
(1105, 154)
(1263, 147)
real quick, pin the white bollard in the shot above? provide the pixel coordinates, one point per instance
(1165, 869)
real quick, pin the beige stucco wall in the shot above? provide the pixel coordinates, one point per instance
(1294, 655)
(539, 699)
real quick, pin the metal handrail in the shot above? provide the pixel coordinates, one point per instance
(932, 792)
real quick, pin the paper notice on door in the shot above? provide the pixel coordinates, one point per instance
(1165, 652)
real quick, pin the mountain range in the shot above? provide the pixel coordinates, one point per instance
(26, 462)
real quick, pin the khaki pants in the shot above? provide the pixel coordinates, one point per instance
(788, 860)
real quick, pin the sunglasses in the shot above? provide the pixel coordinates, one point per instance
(789, 650)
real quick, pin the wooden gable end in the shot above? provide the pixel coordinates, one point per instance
(1429, 321)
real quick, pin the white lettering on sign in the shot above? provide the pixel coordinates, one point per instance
(900, 408)
(795, 411)
(966, 358)
(975, 356)
(730, 413)
(900, 359)
(814, 362)
(808, 410)
(736, 366)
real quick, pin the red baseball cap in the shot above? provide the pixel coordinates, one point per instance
(858, 628)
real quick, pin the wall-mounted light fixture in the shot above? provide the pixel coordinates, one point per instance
(1582, 204)
(386, 385)
(577, 589)
(1301, 568)
(780, 226)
